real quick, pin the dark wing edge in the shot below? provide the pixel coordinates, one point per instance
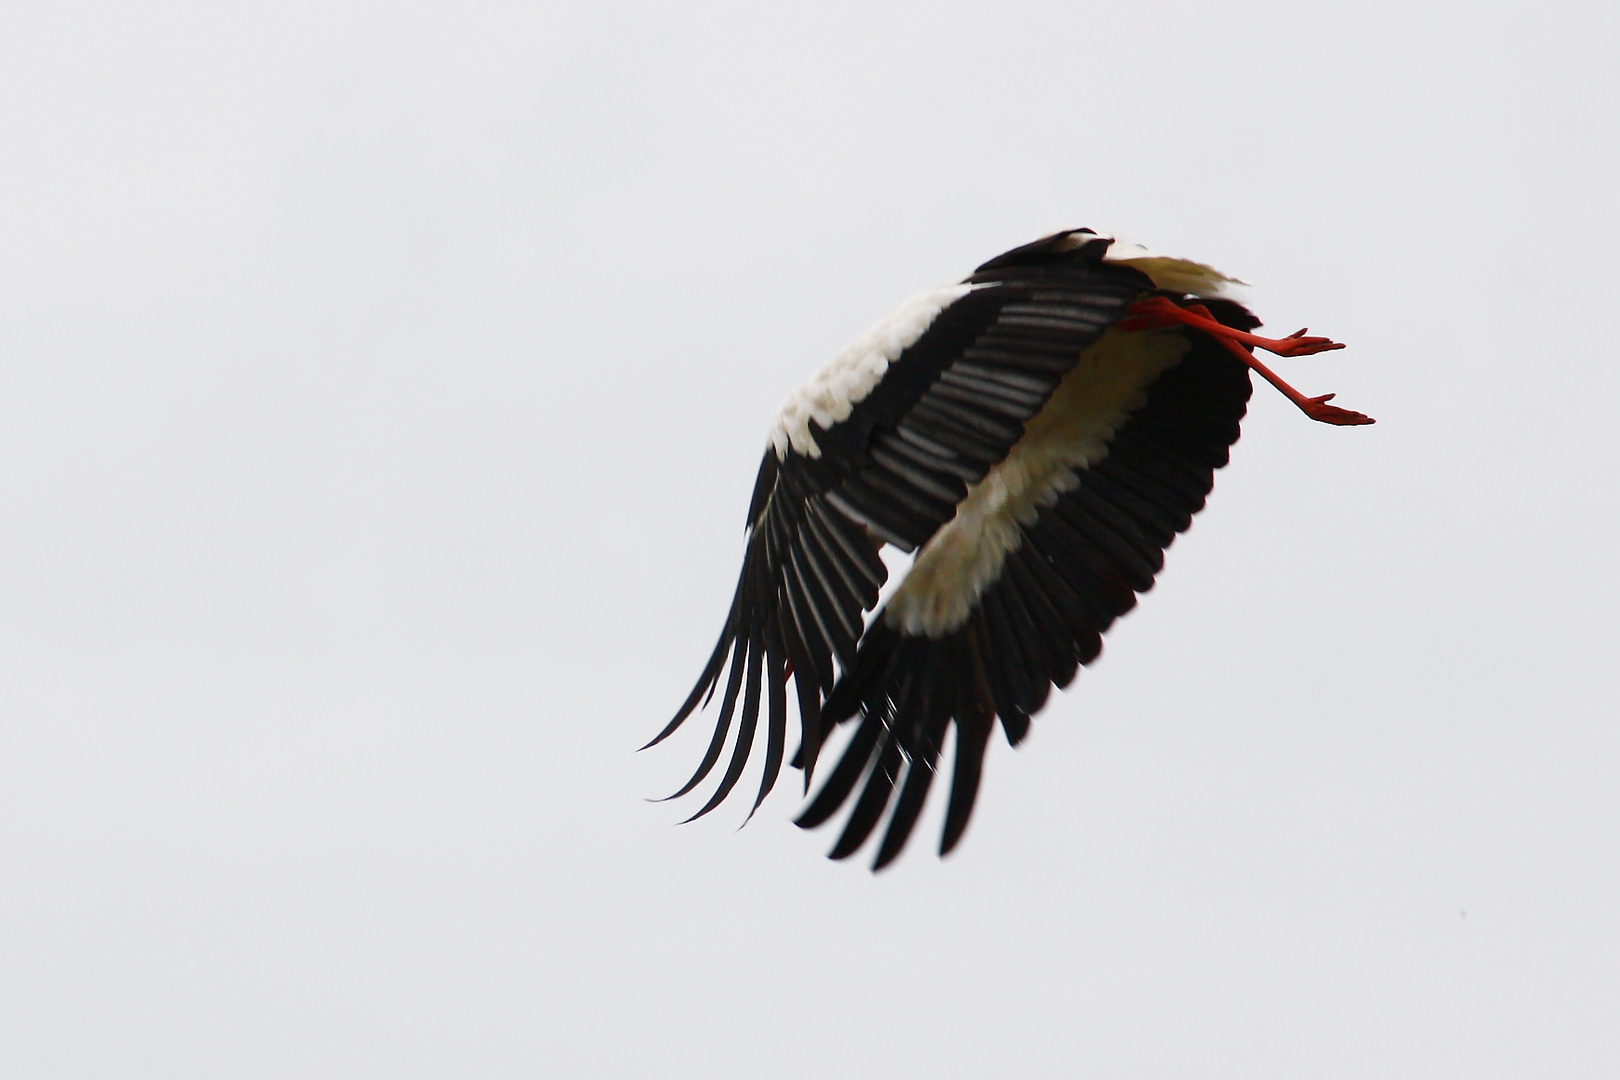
(808, 576)
(1080, 565)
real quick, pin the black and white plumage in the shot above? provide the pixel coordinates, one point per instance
(1038, 434)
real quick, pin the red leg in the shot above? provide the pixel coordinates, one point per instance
(1159, 313)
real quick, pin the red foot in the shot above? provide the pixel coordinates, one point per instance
(1317, 408)
(1297, 344)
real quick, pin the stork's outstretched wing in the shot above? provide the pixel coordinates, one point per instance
(884, 446)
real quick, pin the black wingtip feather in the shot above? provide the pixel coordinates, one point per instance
(745, 732)
(836, 788)
(711, 674)
(941, 698)
(722, 724)
(874, 797)
(972, 737)
(776, 732)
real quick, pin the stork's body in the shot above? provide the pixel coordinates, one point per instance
(1037, 434)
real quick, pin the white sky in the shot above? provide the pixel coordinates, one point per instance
(380, 391)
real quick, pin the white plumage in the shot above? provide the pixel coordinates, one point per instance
(828, 396)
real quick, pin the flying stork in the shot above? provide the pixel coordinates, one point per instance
(1037, 434)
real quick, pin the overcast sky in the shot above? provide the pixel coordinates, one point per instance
(381, 387)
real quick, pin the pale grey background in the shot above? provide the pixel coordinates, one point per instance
(382, 387)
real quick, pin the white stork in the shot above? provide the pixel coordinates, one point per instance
(1038, 434)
